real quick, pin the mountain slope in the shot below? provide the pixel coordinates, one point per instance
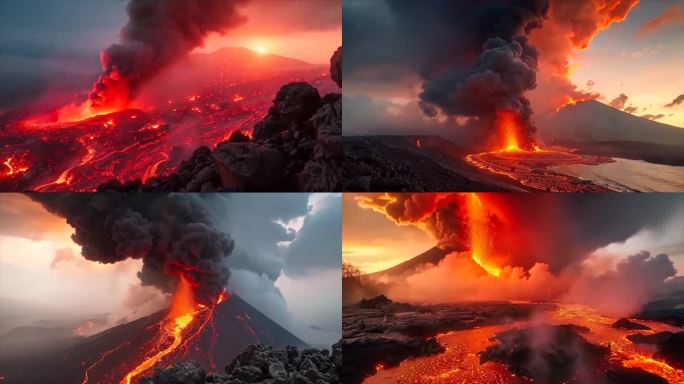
(235, 325)
(591, 121)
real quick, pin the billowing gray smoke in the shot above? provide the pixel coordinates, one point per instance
(473, 56)
(158, 33)
(171, 233)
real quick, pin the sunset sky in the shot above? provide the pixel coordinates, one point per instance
(373, 242)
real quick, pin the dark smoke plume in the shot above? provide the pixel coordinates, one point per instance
(158, 33)
(495, 66)
(171, 233)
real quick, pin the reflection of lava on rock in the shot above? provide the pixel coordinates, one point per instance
(79, 146)
(461, 363)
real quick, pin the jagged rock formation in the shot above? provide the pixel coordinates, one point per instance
(259, 364)
(668, 346)
(296, 147)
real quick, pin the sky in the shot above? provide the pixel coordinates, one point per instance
(286, 263)
(55, 45)
(646, 65)
(374, 243)
(641, 58)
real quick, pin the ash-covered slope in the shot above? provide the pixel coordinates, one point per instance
(112, 353)
(596, 128)
(296, 147)
(410, 164)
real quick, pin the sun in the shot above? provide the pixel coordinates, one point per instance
(261, 49)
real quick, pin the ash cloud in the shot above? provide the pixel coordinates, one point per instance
(171, 234)
(157, 34)
(626, 289)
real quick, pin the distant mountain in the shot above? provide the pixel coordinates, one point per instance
(377, 283)
(235, 325)
(431, 257)
(593, 121)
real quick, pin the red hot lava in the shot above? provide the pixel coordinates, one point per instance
(83, 146)
(510, 135)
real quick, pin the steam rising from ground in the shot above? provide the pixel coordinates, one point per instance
(539, 246)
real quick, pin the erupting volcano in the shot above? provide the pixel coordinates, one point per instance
(511, 293)
(156, 101)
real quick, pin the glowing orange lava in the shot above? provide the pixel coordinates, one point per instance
(479, 237)
(14, 169)
(460, 362)
(508, 129)
(183, 311)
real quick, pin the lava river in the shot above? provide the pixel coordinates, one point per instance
(137, 143)
(461, 364)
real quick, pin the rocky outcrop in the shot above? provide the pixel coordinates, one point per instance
(668, 346)
(296, 147)
(623, 323)
(336, 66)
(544, 353)
(259, 364)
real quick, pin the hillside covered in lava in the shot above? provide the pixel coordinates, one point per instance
(215, 338)
(222, 93)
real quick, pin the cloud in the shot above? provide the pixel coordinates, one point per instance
(29, 220)
(653, 117)
(631, 109)
(277, 17)
(619, 102)
(318, 243)
(673, 15)
(677, 101)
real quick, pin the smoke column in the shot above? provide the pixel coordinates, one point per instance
(170, 233)
(158, 33)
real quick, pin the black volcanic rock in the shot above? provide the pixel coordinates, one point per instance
(185, 372)
(377, 302)
(623, 323)
(669, 345)
(258, 364)
(544, 353)
(296, 147)
(623, 375)
(294, 103)
(361, 356)
(336, 66)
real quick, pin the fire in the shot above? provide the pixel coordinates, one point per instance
(237, 98)
(419, 145)
(479, 237)
(569, 102)
(183, 312)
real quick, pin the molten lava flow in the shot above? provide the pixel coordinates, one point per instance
(102, 357)
(479, 236)
(14, 169)
(183, 311)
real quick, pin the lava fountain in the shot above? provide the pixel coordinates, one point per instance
(479, 234)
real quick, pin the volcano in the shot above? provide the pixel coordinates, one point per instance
(200, 101)
(108, 356)
(596, 128)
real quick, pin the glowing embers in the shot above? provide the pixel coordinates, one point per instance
(480, 240)
(183, 311)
